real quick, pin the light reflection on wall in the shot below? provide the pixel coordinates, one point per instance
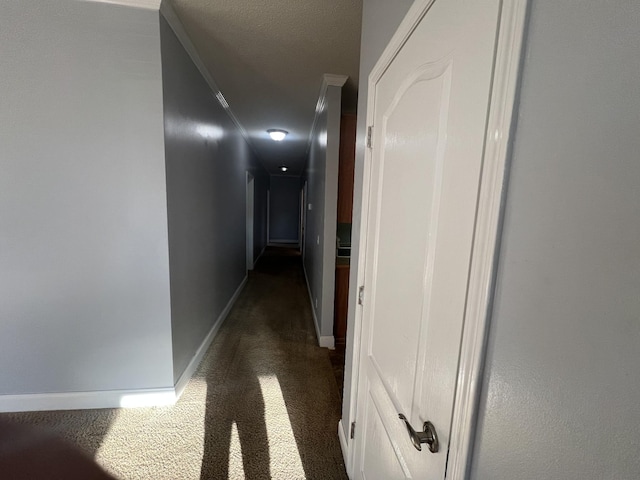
(179, 128)
(322, 138)
(210, 132)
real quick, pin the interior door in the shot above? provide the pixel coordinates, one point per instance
(429, 121)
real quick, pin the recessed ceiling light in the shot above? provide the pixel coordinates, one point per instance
(277, 134)
(284, 168)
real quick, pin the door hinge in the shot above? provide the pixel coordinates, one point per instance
(353, 430)
(361, 295)
(369, 136)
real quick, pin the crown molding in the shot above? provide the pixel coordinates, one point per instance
(328, 80)
(331, 80)
(147, 4)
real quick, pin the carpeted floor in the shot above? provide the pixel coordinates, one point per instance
(263, 404)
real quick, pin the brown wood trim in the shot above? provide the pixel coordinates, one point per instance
(346, 167)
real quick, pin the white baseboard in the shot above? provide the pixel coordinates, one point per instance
(312, 302)
(344, 446)
(152, 397)
(325, 341)
(204, 346)
(280, 243)
(88, 400)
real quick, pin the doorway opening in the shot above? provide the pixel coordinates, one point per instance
(303, 217)
(250, 219)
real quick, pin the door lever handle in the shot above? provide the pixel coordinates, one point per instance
(428, 435)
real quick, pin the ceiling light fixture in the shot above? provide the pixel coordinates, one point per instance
(277, 134)
(284, 168)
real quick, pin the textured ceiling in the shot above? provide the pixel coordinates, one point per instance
(268, 58)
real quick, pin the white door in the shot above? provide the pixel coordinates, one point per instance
(429, 120)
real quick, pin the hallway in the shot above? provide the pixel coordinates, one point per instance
(263, 404)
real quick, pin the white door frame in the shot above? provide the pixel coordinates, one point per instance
(488, 218)
(250, 204)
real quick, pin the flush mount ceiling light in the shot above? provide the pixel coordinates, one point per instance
(284, 168)
(276, 134)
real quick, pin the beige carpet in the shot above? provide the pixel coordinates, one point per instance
(263, 404)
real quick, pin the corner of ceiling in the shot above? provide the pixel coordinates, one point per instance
(148, 4)
(332, 80)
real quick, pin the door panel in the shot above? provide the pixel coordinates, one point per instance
(429, 114)
(404, 242)
(381, 460)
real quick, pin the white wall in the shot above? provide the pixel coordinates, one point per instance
(84, 268)
(562, 390)
(284, 209)
(380, 19)
(207, 160)
(322, 193)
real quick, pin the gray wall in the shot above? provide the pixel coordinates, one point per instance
(322, 193)
(207, 160)
(84, 269)
(562, 389)
(284, 209)
(380, 19)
